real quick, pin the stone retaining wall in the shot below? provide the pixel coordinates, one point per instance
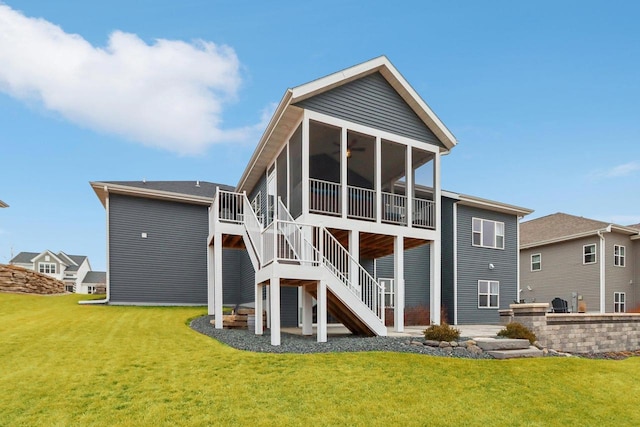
(580, 332)
(18, 279)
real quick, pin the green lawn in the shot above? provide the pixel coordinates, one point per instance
(66, 364)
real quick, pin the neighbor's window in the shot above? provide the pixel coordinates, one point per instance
(618, 255)
(536, 262)
(488, 294)
(589, 254)
(488, 234)
(91, 289)
(47, 268)
(619, 302)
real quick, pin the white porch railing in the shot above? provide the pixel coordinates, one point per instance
(324, 197)
(394, 208)
(230, 206)
(253, 225)
(362, 203)
(424, 213)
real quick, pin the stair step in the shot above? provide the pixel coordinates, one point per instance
(491, 344)
(514, 354)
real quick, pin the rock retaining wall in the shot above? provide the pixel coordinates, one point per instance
(18, 279)
(580, 332)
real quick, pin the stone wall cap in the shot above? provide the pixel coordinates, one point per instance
(530, 305)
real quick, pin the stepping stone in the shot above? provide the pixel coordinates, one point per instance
(490, 344)
(514, 354)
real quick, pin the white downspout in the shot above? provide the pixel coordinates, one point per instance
(602, 270)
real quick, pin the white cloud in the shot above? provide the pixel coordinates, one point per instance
(169, 94)
(625, 169)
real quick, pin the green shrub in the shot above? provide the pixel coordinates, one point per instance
(443, 332)
(518, 331)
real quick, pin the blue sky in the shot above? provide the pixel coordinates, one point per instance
(543, 98)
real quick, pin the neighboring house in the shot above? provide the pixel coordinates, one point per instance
(340, 207)
(3, 204)
(71, 269)
(95, 282)
(591, 264)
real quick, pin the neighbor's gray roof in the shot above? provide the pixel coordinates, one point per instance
(95, 277)
(78, 259)
(559, 226)
(24, 257)
(205, 189)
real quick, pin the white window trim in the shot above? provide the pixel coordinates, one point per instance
(489, 307)
(495, 236)
(617, 303)
(43, 265)
(539, 262)
(595, 254)
(619, 257)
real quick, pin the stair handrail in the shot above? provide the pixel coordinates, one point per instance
(253, 227)
(371, 294)
(369, 290)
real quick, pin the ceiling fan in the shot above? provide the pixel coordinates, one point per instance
(351, 147)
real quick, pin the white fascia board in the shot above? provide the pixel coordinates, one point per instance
(68, 258)
(266, 136)
(623, 229)
(492, 205)
(566, 238)
(148, 193)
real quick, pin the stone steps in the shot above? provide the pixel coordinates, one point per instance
(508, 348)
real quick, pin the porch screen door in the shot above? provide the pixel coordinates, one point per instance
(271, 194)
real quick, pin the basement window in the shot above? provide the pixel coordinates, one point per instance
(619, 302)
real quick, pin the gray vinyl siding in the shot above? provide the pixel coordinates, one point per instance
(447, 258)
(52, 260)
(635, 262)
(562, 273)
(617, 278)
(473, 265)
(373, 102)
(170, 265)
(417, 274)
(289, 306)
(247, 284)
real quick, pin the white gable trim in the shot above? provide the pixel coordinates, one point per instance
(48, 252)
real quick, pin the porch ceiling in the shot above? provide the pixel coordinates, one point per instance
(375, 245)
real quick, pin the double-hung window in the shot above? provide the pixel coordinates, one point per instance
(488, 294)
(618, 255)
(619, 302)
(488, 233)
(536, 262)
(589, 254)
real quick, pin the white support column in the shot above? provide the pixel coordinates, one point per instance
(259, 330)
(378, 175)
(274, 302)
(322, 311)
(305, 164)
(436, 276)
(409, 189)
(455, 263)
(217, 281)
(307, 312)
(211, 280)
(343, 172)
(398, 266)
(603, 286)
(436, 248)
(354, 251)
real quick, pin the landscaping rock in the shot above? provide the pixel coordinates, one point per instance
(444, 344)
(432, 343)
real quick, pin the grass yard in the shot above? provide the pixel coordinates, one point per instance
(65, 364)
